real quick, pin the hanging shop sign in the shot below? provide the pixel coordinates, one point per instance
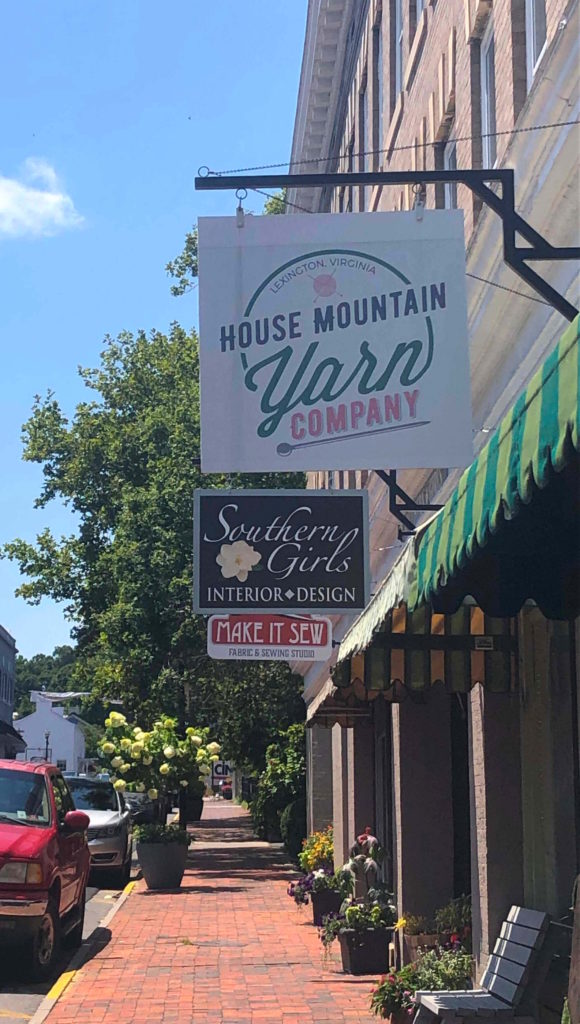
(270, 551)
(251, 637)
(334, 342)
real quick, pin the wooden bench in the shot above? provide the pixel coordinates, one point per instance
(510, 983)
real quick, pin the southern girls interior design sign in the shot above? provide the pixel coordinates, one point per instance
(334, 341)
(252, 637)
(294, 551)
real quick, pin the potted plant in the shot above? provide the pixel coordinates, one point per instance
(453, 922)
(194, 799)
(442, 969)
(436, 970)
(323, 888)
(162, 853)
(317, 851)
(393, 998)
(418, 933)
(158, 762)
(364, 929)
(366, 855)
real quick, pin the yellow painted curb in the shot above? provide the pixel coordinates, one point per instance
(129, 888)
(60, 984)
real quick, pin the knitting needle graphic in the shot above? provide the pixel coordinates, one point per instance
(286, 449)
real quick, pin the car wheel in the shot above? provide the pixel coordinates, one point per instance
(75, 936)
(45, 945)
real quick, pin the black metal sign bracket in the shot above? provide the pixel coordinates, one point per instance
(400, 502)
(516, 256)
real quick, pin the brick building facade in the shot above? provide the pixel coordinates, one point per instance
(474, 790)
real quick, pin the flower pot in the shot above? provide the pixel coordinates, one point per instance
(194, 807)
(398, 1017)
(325, 901)
(414, 942)
(162, 864)
(365, 952)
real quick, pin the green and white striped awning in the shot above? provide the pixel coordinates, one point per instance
(535, 442)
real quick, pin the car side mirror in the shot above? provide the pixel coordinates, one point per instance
(76, 821)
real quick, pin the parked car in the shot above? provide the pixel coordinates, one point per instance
(44, 863)
(143, 811)
(109, 834)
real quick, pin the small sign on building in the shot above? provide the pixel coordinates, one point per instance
(271, 551)
(250, 637)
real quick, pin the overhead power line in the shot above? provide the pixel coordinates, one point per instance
(396, 149)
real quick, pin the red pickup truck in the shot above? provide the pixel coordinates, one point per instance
(44, 863)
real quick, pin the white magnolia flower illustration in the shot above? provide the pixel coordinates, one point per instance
(237, 559)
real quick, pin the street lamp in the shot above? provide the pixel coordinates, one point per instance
(46, 737)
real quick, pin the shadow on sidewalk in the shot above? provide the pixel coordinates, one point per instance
(14, 964)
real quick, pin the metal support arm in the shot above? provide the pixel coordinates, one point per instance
(400, 502)
(515, 256)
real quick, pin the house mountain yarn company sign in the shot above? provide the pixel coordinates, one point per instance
(280, 550)
(334, 341)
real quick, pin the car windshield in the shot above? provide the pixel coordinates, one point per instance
(23, 798)
(93, 796)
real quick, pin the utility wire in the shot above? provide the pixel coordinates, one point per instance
(484, 280)
(394, 149)
(285, 201)
(522, 295)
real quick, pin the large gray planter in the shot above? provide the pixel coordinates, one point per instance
(162, 864)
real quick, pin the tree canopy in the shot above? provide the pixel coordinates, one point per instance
(127, 464)
(42, 671)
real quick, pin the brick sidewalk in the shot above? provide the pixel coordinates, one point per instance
(228, 948)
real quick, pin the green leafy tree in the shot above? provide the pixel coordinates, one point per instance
(184, 268)
(127, 464)
(282, 782)
(52, 672)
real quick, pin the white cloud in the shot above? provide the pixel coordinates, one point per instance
(35, 203)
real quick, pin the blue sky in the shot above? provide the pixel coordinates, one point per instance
(107, 110)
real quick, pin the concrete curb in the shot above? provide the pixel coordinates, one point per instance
(80, 958)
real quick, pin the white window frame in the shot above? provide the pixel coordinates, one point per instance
(488, 100)
(419, 8)
(398, 46)
(533, 55)
(450, 164)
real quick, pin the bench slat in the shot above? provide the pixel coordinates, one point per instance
(504, 989)
(463, 1004)
(506, 969)
(528, 918)
(513, 951)
(523, 936)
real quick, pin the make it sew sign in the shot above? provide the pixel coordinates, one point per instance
(286, 550)
(252, 636)
(334, 341)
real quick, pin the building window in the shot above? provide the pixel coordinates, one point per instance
(398, 46)
(535, 35)
(450, 164)
(488, 109)
(419, 6)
